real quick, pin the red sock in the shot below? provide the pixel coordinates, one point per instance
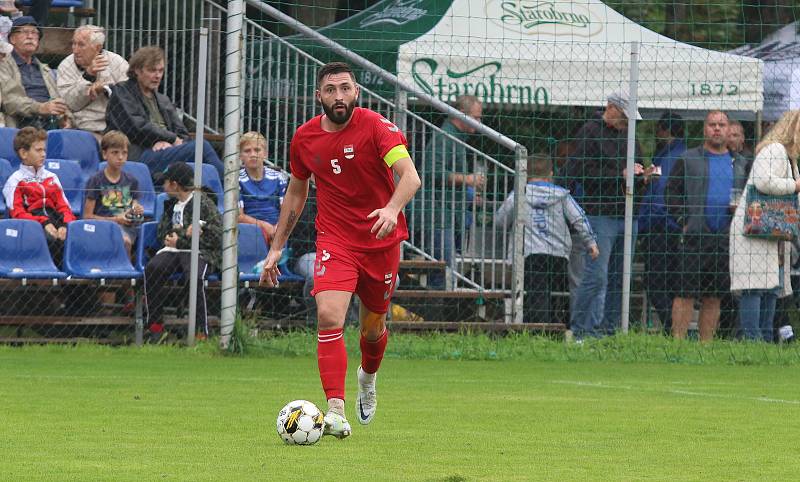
(332, 361)
(372, 352)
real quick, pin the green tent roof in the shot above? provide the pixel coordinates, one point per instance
(376, 33)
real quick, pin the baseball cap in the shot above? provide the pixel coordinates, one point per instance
(621, 99)
(181, 173)
(25, 20)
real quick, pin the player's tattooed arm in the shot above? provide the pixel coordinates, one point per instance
(291, 221)
(291, 209)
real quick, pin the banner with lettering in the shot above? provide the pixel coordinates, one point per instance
(537, 53)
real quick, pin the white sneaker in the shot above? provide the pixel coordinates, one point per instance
(367, 399)
(336, 425)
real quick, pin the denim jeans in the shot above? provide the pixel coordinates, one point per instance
(598, 300)
(158, 161)
(443, 247)
(575, 271)
(756, 314)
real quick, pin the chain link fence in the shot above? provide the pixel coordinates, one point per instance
(541, 75)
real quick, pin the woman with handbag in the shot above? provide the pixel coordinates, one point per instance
(764, 221)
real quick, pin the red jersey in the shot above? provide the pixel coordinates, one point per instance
(351, 176)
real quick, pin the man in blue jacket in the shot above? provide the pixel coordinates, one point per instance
(659, 234)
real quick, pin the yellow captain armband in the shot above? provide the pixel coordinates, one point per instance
(394, 155)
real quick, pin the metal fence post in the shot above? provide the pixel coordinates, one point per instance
(401, 106)
(198, 181)
(518, 259)
(232, 123)
(627, 261)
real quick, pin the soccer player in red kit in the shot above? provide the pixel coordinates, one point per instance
(353, 154)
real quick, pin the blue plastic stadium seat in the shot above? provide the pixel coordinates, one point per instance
(76, 145)
(159, 208)
(287, 276)
(94, 249)
(5, 171)
(211, 179)
(140, 171)
(24, 252)
(7, 145)
(252, 249)
(147, 239)
(71, 179)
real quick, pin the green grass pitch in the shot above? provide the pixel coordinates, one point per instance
(165, 413)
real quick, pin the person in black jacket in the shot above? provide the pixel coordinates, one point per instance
(175, 232)
(149, 119)
(595, 174)
(698, 195)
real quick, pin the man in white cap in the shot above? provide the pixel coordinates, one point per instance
(595, 173)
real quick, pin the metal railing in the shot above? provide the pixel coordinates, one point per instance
(277, 96)
(279, 86)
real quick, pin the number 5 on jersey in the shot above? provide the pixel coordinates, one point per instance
(336, 167)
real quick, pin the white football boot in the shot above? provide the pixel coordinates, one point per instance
(367, 399)
(336, 425)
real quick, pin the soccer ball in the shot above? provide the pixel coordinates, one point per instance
(300, 423)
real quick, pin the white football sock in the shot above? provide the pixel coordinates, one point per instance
(336, 405)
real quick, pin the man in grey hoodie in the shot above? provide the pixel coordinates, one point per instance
(551, 215)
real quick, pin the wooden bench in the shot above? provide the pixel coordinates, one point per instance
(435, 326)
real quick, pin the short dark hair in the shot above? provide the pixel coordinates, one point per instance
(27, 136)
(334, 68)
(181, 173)
(145, 57)
(539, 165)
(672, 123)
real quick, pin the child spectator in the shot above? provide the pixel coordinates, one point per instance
(262, 189)
(33, 192)
(552, 214)
(175, 230)
(113, 194)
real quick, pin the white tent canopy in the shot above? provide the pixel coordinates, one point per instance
(570, 53)
(781, 55)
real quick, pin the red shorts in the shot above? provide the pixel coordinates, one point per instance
(369, 274)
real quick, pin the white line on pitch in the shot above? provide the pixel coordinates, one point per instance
(675, 392)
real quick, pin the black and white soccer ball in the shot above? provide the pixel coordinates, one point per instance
(300, 423)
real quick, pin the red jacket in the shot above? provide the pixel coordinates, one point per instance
(28, 191)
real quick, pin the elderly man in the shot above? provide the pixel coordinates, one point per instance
(28, 87)
(149, 119)
(85, 77)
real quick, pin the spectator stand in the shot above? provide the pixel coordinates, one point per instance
(72, 181)
(76, 145)
(46, 304)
